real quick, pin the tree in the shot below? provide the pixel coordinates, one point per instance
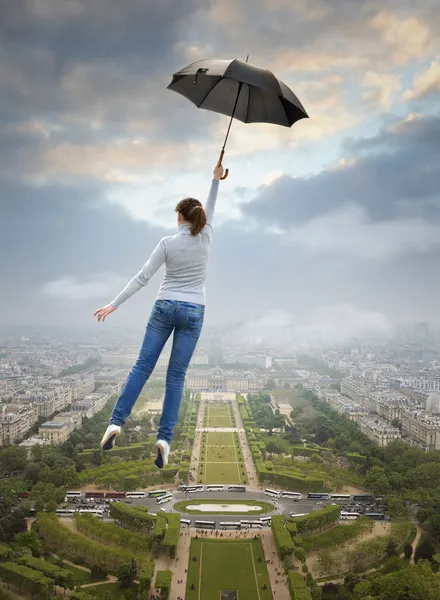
(125, 575)
(351, 580)
(98, 572)
(391, 548)
(376, 480)
(408, 550)
(12, 459)
(28, 539)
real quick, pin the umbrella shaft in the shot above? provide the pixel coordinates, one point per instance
(232, 116)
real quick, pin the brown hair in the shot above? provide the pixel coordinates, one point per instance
(193, 212)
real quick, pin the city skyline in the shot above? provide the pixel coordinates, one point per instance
(330, 229)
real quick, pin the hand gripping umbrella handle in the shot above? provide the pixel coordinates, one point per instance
(222, 153)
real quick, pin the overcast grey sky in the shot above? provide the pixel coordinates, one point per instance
(332, 226)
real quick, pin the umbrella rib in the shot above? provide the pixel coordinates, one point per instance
(209, 91)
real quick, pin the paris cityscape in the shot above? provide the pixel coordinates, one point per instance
(219, 324)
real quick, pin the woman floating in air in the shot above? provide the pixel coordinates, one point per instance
(179, 308)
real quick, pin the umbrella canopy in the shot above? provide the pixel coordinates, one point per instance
(240, 90)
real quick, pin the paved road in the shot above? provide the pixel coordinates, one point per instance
(282, 505)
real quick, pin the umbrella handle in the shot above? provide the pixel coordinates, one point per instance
(222, 153)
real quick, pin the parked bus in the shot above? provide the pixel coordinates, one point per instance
(266, 520)
(163, 499)
(135, 494)
(215, 488)
(362, 498)
(92, 511)
(237, 488)
(205, 524)
(293, 515)
(95, 494)
(251, 524)
(194, 488)
(272, 493)
(376, 516)
(115, 494)
(65, 512)
(229, 525)
(349, 516)
(71, 494)
(186, 522)
(318, 496)
(345, 497)
(156, 493)
(293, 495)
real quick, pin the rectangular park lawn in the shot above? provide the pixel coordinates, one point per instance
(227, 565)
(221, 473)
(218, 417)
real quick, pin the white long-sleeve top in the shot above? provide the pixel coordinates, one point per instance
(186, 259)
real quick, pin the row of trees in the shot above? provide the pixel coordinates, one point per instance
(98, 530)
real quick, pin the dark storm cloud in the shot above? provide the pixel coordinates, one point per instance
(396, 173)
(95, 56)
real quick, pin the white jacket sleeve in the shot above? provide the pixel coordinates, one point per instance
(140, 280)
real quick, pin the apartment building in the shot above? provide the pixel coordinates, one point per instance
(55, 432)
(15, 422)
(421, 427)
(379, 432)
(355, 389)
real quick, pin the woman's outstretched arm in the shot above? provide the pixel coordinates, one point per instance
(140, 280)
(212, 196)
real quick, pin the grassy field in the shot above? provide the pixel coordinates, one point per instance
(222, 565)
(218, 416)
(80, 577)
(265, 507)
(220, 459)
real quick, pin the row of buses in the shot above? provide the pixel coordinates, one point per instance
(296, 496)
(70, 495)
(244, 524)
(191, 489)
(352, 516)
(342, 497)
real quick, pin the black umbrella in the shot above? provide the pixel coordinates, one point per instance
(238, 89)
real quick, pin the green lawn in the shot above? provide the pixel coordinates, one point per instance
(220, 460)
(214, 438)
(226, 454)
(222, 473)
(80, 577)
(117, 592)
(265, 507)
(222, 565)
(218, 416)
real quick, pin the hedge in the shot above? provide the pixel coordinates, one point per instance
(172, 533)
(281, 536)
(79, 548)
(5, 553)
(286, 481)
(163, 583)
(61, 577)
(320, 519)
(356, 458)
(146, 576)
(309, 452)
(26, 579)
(291, 528)
(96, 529)
(161, 525)
(297, 587)
(133, 518)
(333, 537)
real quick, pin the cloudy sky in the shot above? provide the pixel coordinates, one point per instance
(331, 225)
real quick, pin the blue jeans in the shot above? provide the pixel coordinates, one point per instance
(186, 320)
